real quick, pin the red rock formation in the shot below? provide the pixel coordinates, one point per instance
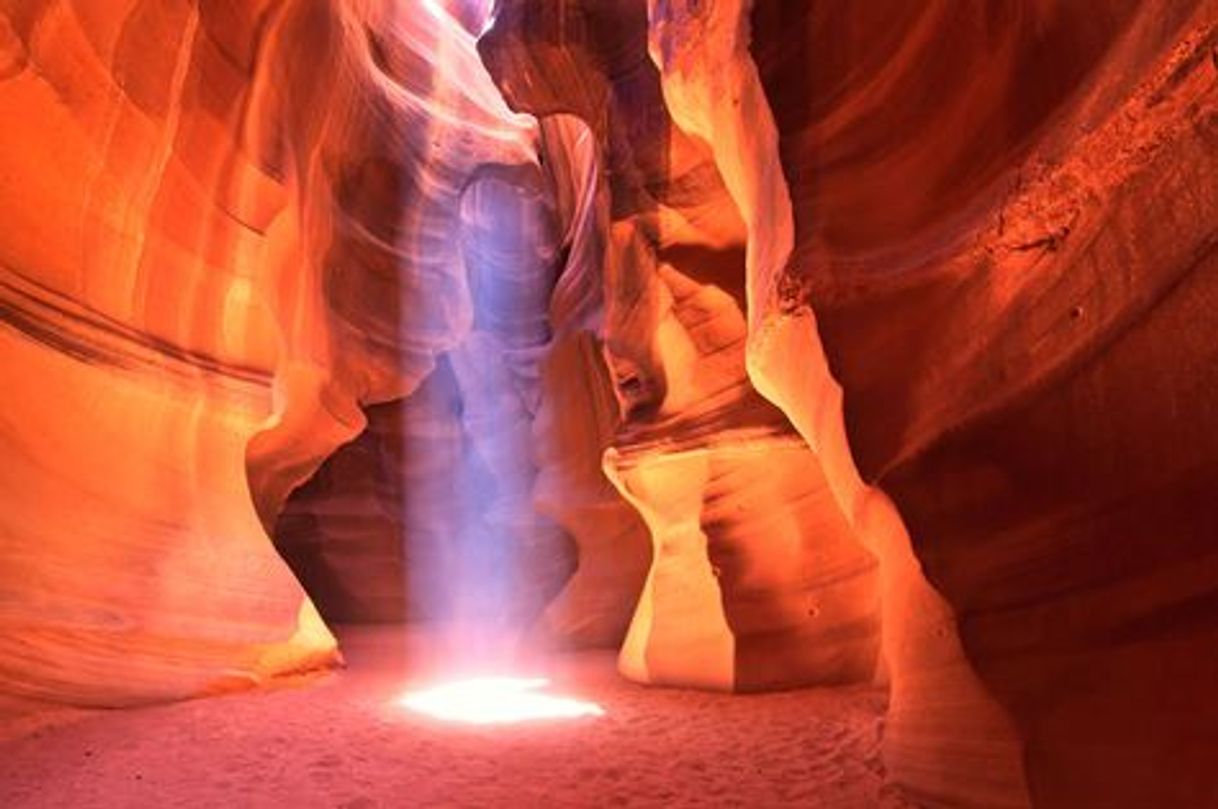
(139, 347)
(887, 322)
(958, 315)
(1033, 292)
(247, 201)
(753, 585)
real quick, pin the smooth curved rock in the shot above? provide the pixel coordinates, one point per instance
(971, 240)
(249, 201)
(1029, 293)
(674, 339)
(886, 325)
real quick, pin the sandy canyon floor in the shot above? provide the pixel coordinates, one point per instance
(345, 741)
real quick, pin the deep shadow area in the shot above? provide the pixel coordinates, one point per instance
(341, 531)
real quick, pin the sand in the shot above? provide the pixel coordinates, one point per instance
(344, 741)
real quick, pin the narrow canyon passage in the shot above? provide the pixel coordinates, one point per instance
(821, 395)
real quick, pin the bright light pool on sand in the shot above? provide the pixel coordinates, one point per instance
(496, 700)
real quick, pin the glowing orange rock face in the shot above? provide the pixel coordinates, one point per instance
(956, 208)
(214, 251)
(138, 347)
(795, 599)
(757, 580)
(886, 326)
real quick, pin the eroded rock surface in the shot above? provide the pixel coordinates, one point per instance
(1006, 241)
(752, 585)
(886, 325)
(219, 223)
(1002, 218)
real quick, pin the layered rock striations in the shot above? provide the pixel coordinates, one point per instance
(1002, 220)
(220, 224)
(785, 343)
(1019, 339)
(752, 584)
(139, 349)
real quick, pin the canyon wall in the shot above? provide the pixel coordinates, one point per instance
(885, 325)
(219, 222)
(1000, 228)
(757, 580)
(239, 237)
(977, 245)
(1007, 242)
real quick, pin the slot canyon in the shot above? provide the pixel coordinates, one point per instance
(585, 403)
